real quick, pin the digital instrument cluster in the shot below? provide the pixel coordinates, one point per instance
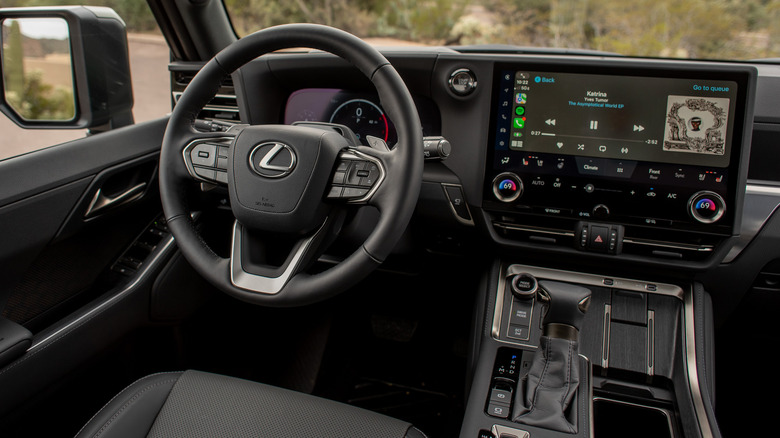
(361, 112)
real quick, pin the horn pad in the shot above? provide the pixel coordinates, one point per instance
(279, 174)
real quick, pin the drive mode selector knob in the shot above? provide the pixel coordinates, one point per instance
(706, 207)
(507, 187)
(524, 286)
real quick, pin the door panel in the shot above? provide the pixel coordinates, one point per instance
(52, 253)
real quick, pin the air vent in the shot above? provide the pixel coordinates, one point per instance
(221, 107)
(638, 241)
(185, 77)
(666, 250)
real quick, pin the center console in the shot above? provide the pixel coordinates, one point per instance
(646, 160)
(640, 366)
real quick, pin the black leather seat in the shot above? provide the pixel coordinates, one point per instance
(198, 404)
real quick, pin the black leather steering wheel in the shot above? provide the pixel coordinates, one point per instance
(281, 178)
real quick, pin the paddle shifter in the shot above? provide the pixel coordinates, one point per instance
(547, 396)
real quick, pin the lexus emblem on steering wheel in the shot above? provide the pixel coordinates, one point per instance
(272, 159)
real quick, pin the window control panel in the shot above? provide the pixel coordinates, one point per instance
(136, 255)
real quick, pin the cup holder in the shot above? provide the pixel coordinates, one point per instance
(613, 418)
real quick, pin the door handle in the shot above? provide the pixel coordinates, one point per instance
(101, 202)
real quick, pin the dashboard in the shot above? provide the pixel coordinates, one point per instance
(633, 161)
(626, 175)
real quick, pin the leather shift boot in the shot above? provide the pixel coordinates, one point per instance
(547, 396)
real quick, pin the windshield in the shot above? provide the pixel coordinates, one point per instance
(700, 29)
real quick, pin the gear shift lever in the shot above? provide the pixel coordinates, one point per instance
(566, 307)
(547, 395)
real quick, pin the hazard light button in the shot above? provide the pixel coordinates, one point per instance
(599, 238)
(606, 238)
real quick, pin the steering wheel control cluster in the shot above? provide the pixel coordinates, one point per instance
(207, 160)
(354, 178)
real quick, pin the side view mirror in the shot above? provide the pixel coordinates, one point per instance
(65, 67)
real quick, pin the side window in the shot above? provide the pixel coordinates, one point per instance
(149, 57)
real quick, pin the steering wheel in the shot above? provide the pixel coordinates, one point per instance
(291, 180)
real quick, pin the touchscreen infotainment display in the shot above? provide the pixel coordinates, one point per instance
(664, 120)
(655, 147)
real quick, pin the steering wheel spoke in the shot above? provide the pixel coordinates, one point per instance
(249, 268)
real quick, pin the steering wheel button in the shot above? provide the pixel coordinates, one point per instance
(222, 152)
(353, 178)
(222, 163)
(335, 192)
(221, 177)
(204, 155)
(342, 166)
(209, 174)
(338, 177)
(351, 192)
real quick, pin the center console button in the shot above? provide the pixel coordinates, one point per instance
(507, 187)
(706, 207)
(500, 396)
(599, 238)
(521, 313)
(601, 211)
(497, 410)
(519, 332)
(553, 211)
(523, 286)
(652, 221)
